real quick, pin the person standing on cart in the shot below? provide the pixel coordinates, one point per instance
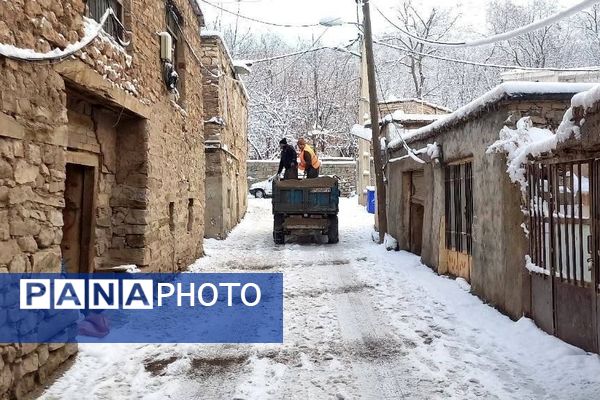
(309, 162)
(289, 161)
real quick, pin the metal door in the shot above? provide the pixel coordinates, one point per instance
(563, 230)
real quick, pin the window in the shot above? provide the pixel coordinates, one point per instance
(172, 216)
(459, 207)
(560, 222)
(96, 10)
(190, 225)
(175, 27)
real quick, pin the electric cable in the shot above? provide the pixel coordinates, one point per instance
(258, 20)
(501, 36)
(486, 65)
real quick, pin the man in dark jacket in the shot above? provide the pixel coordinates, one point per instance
(289, 161)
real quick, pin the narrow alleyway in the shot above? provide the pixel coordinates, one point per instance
(360, 322)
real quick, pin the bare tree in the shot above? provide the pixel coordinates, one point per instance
(589, 24)
(541, 48)
(434, 24)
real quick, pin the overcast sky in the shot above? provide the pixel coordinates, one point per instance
(311, 11)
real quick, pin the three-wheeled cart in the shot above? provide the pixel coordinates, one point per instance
(304, 207)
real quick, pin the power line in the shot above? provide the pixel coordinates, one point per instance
(501, 36)
(302, 54)
(486, 65)
(258, 20)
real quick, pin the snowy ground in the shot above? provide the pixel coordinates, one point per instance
(360, 322)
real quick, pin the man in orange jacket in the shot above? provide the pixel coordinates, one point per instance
(309, 162)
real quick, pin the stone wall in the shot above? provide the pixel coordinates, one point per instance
(344, 168)
(226, 135)
(105, 109)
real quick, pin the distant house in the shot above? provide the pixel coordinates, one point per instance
(409, 114)
(454, 204)
(411, 106)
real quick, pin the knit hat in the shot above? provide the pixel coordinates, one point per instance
(283, 141)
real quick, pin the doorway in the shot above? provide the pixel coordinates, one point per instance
(564, 243)
(416, 211)
(77, 218)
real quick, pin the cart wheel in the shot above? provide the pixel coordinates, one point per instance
(279, 237)
(278, 234)
(332, 234)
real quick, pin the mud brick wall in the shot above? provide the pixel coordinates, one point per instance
(345, 169)
(107, 108)
(225, 101)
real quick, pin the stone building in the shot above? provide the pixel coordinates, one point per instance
(101, 164)
(459, 210)
(226, 138)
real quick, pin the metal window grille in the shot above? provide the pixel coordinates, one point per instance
(560, 223)
(459, 207)
(96, 10)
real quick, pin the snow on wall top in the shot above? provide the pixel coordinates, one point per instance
(393, 99)
(219, 35)
(91, 30)
(400, 116)
(500, 92)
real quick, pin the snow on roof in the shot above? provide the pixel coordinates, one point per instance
(587, 99)
(393, 99)
(219, 35)
(400, 116)
(500, 92)
(361, 132)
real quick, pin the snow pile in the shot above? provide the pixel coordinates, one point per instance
(390, 242)
(361, 132)
(91, 31)
(519, 144)
(375, 236)
(463, 284)
(531, 267)
(433, 150)
(505, 90)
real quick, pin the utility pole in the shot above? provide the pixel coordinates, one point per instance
(364, 146)
(373, 105)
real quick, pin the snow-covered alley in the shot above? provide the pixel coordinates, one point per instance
(360, 322)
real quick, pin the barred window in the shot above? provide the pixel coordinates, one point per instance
(96, 10)
(459, 207)
(561, 220)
